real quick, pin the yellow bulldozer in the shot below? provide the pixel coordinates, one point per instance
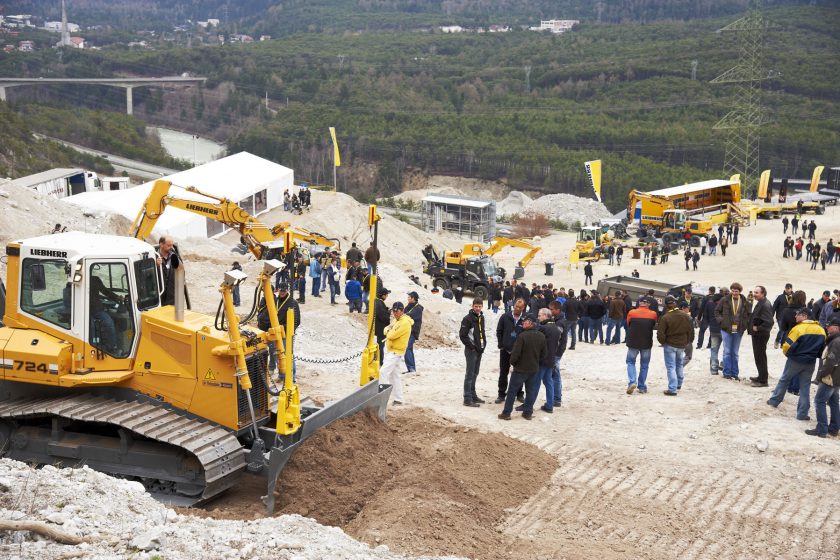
(93, 370)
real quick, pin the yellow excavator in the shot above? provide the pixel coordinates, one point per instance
(473, 267)
(498, 243)
(261, 240)
(93, 370)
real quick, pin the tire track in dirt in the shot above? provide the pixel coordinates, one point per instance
(629, 504)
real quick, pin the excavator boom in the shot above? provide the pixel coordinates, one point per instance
(255, 234)
(500, 243)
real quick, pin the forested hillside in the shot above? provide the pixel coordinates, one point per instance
(523, 107)
(21, 154)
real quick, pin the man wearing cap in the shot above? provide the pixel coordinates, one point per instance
(284, 301)
(474, 340)
(415, 311)
(733, 316)
(641, 323)
(528, 352)
(674, 333)
(761, 322)
(802, 345)
(381, 318)
(829, 385)
(396, 342)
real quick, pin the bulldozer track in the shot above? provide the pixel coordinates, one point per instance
(217, 449)
(695, 514)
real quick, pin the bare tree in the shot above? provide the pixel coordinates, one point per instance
(531, 224)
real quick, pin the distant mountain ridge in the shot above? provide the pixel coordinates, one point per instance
(295, 16)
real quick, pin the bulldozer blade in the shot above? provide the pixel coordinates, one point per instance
(373, 395)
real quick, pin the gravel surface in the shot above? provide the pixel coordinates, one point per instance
(121, 521)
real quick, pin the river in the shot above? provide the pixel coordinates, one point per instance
(189, 147)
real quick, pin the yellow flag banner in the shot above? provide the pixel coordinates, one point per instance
(593, 170)
(763, 183)
(336, 156)
(815, 180)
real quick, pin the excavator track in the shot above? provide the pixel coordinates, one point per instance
(180, 460)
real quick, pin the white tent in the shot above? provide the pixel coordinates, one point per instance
(256, 184)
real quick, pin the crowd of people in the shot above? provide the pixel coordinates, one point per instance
(796, 245)
(533, 334)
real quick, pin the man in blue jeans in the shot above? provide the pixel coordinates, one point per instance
(552, 333)
(556, 316)
(733, 316)
(641, 323)
(829, 386)
(616, 313)
(674, 333)
(802, 345)
(415, 311)
(528, 351)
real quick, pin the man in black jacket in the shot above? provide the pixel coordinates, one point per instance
(783, 300)
(761, 323)
(703, 318)
(587, 272)
(474, 340)
(415, 311)
(381, 319)
(553, 334)
(571, 310)
(528, 352)
(168, 260)
(507, 329)
(596, 310)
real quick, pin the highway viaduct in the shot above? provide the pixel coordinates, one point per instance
(128, 83)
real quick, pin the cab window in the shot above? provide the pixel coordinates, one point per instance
(111, 315)
(45, 291)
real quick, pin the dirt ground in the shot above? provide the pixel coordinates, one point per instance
(418, 483)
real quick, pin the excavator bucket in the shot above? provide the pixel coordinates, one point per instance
(371, 396)
(430, 254)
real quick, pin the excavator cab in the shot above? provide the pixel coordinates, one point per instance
(673, 220)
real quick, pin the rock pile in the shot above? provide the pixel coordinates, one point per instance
(513, 204)
(569, 208)
(117, 519)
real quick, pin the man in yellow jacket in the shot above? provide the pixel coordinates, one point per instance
(396, 341)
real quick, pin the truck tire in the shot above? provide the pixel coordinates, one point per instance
(440, 283)
(819, 210)
(481, 292)
(667, 237)
(694, 241)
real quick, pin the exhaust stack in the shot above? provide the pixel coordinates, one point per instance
(180, 296)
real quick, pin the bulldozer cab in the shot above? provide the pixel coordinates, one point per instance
(589, 233)
(88, 293)
(673, 220)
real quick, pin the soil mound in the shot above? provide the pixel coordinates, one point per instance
(416, 483)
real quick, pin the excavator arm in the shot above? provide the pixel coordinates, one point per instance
(500, 243)
(255, 234)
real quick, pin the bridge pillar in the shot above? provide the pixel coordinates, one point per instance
(2, 93)
(129, 100)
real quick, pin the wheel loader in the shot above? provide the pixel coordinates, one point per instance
(93, 370)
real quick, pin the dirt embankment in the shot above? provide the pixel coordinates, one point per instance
(419, 484)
